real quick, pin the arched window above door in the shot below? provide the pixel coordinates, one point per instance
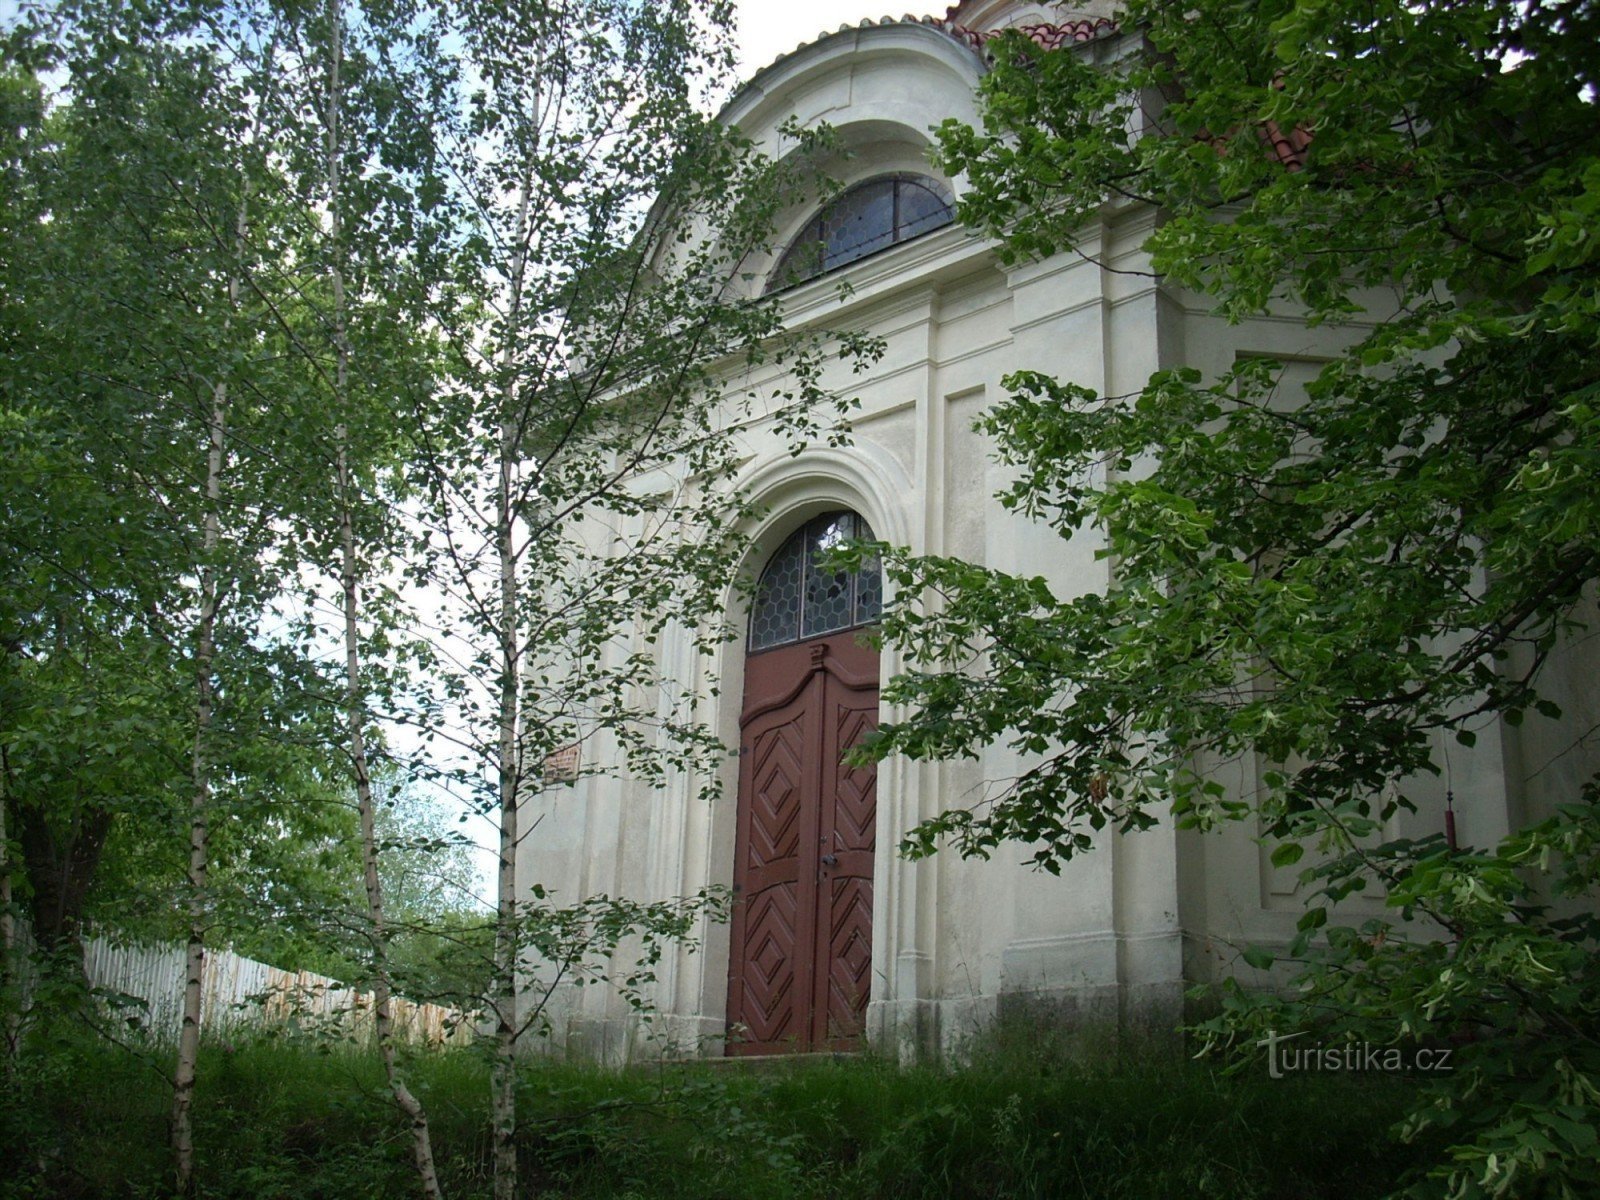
(799, 597)
(867, 218)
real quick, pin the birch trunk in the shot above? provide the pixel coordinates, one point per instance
(200, 764)
(503, 1074)
(383, 1008)
(200, 802)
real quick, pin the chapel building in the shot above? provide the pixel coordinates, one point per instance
(835, 939)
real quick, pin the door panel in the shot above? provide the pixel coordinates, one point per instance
(847, 981)
(777, 756)
(849, 829)
(775, 911)
(799, 975)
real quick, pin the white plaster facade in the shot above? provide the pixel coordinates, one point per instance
(1119, 935)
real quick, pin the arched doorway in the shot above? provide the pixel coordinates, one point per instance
(800, 969)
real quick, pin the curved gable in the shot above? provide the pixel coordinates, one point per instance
(880, 87)
(906, 75)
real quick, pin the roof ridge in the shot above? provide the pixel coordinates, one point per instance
(1049, 35)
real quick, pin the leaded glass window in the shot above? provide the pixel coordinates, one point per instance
(867, 218)
(800, 597)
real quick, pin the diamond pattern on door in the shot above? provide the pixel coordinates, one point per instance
(775, 798)
(769, 977)
(850, 958)
(855, 814)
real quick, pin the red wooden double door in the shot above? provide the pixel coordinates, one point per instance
(800, 971)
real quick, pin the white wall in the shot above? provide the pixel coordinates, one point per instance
(1115, 937)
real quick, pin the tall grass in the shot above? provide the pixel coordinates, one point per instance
(1025, 1118)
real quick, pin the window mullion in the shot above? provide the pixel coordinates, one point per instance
(805, 581)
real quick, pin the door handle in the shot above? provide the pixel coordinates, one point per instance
(830, 860)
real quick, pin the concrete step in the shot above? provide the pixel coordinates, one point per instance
(771, 1062)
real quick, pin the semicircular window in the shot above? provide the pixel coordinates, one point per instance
(800, 597)
(869, 217)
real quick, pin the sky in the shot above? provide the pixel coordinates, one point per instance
(769, 28)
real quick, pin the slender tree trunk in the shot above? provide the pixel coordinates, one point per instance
(200, 800)
(503, 1075)
(506, 939)
(503, 1083)
(383, 1008)
(200, 760)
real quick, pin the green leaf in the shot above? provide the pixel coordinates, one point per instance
(1287, 854)
(1258, 958)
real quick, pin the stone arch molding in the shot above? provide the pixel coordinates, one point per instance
(790, 490)
(897, 72)
(863, 477)
(878, 87)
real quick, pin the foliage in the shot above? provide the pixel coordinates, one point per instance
(1332, 584)
(126, 178)
(574, 469)
(440, 936)
(122, 199)
(606, 940)
(472, 261)
(1023, 1119)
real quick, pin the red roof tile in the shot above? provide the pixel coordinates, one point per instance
(1289, 148)
(1051, 37)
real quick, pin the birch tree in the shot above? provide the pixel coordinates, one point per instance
(351, 574)
(578, 473)
(160, 420)
(503, 240)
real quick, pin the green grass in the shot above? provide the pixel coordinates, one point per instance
(1025, 1119)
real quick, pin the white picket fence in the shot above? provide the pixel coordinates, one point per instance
(240, 993)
